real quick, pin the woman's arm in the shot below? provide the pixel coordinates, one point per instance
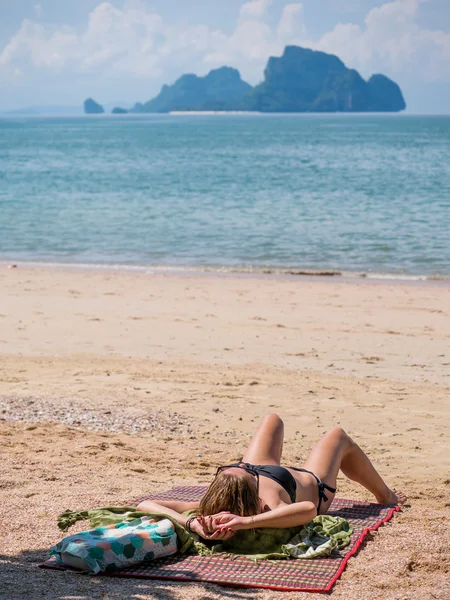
(289, 515)
(173, 509)
(160, 507)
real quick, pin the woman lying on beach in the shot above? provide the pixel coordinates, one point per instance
(258, 492)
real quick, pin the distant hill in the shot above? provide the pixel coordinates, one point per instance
(304, 80)
(50, 110)
(137, 108)
(91, 107)
(301, 80)
(56, 110)
(221, 89)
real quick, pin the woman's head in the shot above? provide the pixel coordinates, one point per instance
(233, 489)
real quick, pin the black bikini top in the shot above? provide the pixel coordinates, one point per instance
(278, 474)
(287, 481)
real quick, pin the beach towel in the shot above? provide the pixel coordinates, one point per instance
(317, 575)
(315, 539)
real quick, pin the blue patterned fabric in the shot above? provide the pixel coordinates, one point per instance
(113, 547)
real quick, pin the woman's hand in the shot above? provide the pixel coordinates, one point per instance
(226, 521)
(203, 527)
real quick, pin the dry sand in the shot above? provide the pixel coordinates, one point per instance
(116, 384)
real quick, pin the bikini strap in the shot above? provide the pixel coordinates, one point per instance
(320, 484)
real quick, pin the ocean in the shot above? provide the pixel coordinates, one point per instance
(358, 194)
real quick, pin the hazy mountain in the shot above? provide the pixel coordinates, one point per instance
(50, 110)
(57, 110)
(91, 107)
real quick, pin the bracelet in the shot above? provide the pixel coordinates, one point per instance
(187, 525)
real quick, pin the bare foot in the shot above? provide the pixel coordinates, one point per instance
(393, 497)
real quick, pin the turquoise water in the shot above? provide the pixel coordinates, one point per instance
(358, 193)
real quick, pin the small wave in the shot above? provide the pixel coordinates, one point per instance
(394, 276)
(243, 271)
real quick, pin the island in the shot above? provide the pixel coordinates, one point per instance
(304, 80)
(301, 80)
(91, 107)
(119, 111)
(222, 89)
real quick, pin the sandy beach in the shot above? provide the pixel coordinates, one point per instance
(114, 384)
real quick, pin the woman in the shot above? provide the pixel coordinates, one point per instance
(258, 492)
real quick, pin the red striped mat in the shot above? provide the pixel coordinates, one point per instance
(315, 575)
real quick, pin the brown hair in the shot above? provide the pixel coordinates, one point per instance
(229, 492)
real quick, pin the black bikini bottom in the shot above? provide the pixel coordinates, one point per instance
(320, 484)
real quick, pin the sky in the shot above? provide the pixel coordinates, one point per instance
(59, 52)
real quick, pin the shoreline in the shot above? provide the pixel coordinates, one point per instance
(275, 273)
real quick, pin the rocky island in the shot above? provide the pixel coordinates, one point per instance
(304, 80)
(91, 107)
(301, 80)
(222, 89)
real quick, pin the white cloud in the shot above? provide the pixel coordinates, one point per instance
(245, 48)
(256, 8)
(391, 40)
(135, 43)
(38, 11)
(31, 47)
(292, 25)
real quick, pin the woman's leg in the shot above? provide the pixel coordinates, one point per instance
(337, 451)
(266, 445)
